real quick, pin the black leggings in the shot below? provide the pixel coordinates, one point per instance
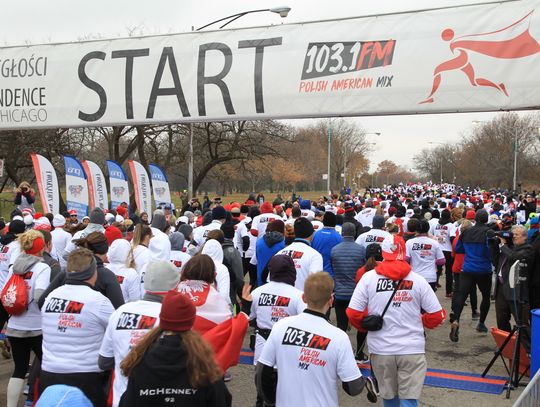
(340, 306)
(467, 281)
(21, 349)
(4, 316)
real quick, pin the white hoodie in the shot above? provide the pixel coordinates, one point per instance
(159, 249)
(119, 256)
(213, 249)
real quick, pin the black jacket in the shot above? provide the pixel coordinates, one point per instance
(106, 284)
(161, 379)
(507, 256)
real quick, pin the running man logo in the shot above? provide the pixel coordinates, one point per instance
(511, 42)
(63, 306)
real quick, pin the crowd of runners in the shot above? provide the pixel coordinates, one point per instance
(133, 309)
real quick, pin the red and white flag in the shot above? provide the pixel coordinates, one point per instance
(214, 321)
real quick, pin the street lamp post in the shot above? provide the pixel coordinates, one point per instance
(283, 12)
(329, 155)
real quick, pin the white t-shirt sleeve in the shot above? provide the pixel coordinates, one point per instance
(134, 287)
(408, 248)
(107, 346)
(43, 279)
(439, 253)
(104, 312)
(254, 304)
(316, 263)
(255, 223)
(429, 301)
(268, 355)
(300, 305)
(347, 369)
(359, 299)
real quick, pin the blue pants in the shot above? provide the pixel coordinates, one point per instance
(397, 402)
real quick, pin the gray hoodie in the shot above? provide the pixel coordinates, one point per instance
(177, 241)
(24, 263)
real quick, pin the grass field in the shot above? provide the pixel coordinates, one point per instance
(7, 205)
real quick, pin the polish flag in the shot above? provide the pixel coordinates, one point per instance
(215, 322)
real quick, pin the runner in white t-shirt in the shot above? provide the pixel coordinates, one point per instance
(310, 355)
(260, 222)
(397, 351)
(445, 232)
(74, 319)
(375, 235)
(129, 323)
(121, 263)
(306, 259)
(366, 215)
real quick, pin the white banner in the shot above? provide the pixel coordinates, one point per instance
(141, 183)
(47, 182)
(160, 185)
(119, 184)
(76, 187)
(97, 188)
(469, 58)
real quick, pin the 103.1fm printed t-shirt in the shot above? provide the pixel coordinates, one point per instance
(306, 259)
(74, 318)
(271, 303)
(310, 355)
(423, 253)
(127, 325)
(402, 332)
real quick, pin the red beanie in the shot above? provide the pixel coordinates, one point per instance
(470, 215)
(37, 246)
(177, 312)
(266, 207)
(121, 211)
(112, 233)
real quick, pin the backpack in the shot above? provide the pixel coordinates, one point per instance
(14, 296)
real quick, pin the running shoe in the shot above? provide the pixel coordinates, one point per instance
(227, 377)
(372, 389)
(475, 316)
(454, 332)
(481, 327)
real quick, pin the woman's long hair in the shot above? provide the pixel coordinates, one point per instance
(140, 232)
(201, 365)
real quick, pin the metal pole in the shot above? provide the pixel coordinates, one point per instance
(190, 163)
(441, 171)
(515, 159)
(329, 154)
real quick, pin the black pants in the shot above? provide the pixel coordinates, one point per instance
(448, 272)
(251, 270)
(4, 316)
(340, 306)
(91, 384)
(503, 312)
(472, 295)
(21, 348)
(467, 281)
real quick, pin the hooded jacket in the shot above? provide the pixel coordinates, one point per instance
(473, 242)
(233, 261)
(213, 249)
(91, 227)
(119, 254)
(504, 259)
(162, 379)
(265, 248)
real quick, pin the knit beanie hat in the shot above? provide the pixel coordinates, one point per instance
(282, 269)
(177, 312)
(470, 215)
(160, 277)
(303, 228)
(112, 233)
(228, 230)
(158, 221)
(305, 204)
(186, 230)
(16, 227)
(58, 221)
(219, 212)
(276, 226)
(266, 207)
(481, 216)
(329, 219)
(97, 216)
(378, 222)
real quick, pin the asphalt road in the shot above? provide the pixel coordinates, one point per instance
(471, 354)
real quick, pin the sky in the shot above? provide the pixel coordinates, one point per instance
(38, 21)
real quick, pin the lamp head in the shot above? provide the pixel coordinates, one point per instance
(282, 11)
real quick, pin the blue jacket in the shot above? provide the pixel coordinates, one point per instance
(474, 243)
(324, 241)
(347, 257)
(266, 247)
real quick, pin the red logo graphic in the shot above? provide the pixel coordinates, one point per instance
(519, 44)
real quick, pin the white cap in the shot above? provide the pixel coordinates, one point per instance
(58, 221)
(28, 219)
(109, 218)
(182, 219)
(119, 219)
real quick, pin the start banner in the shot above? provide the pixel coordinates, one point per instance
(481, 57)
